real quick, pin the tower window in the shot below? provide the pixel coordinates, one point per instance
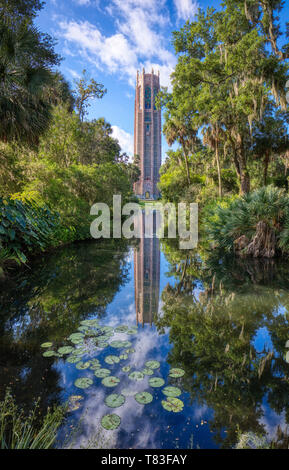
(148, 98)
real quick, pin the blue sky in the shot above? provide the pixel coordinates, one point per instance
(111, 39)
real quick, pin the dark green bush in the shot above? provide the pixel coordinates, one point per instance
(26, 225)
(240, 217)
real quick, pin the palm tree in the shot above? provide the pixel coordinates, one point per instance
(26, 57)
(177, 130)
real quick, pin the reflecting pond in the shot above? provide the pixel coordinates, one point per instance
(163, 348)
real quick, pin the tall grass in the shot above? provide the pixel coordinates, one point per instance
(18, 431)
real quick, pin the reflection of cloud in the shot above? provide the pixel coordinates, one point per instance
(271, 420)
(136, 423)
(200, 412)
(146, 341)
(92, 434)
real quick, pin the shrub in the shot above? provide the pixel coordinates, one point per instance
(26, 225)
(259, 219)
(18, 431)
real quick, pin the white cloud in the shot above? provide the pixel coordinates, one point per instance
(113, 52)
(82, 2)
(124, 138)
(73, 73)
(139, 40)
(186, 9)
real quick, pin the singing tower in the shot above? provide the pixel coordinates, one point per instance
(147, 134)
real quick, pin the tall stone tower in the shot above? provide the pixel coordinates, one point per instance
(147, 134)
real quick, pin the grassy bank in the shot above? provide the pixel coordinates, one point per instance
(21, 431)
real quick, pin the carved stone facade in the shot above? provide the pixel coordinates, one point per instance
(147, 134)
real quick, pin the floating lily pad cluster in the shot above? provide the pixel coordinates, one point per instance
(89, 337)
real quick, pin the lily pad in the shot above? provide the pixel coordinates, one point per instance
(120, 344)
(82, 365)
(172, 391)
(101, 373)
(136, 375)
(46, 345)
(126, 368)
(49, 353)
(143, 398)
(123, 357)
(91, 333)
(130, 350)
(112, 359)
(110, 381)
(152, 364)
(79, 351)
(176, 372)
(101, 344)
(121, 329)
(92, 322)
(84, 382)
(173, 404)
(76, 340)
(107, 329)
(76, 336)
(156, 382)
(65, 350)
(104, 337)
(73, 359)
(94, 364)
(131, 331)
(74, 402)
(82, 328)
(114, 400)
(147, 371)
(110, 422)
(116, 344)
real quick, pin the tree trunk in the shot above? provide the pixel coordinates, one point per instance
(266, 164)
(219, 171)
(263, 243)
(245, 183)
(187, 169)
(244, 174)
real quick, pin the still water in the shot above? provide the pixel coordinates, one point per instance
(222, 325)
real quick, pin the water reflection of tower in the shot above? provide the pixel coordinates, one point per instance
(147, 271)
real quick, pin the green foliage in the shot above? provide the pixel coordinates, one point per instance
(173, 179)
(213, 337)
(26, 60)
(228, 221)
(86, 90)
(18, 431)
(229, 86)
(75, 165)
(26, 225)
(20, 9)
(249, 440)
